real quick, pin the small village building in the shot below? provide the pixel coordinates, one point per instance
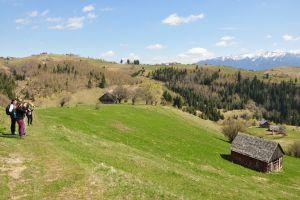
(264, 124)
(256, 153)
(277, 130)
(108, 98)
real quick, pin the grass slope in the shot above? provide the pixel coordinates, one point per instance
(126, 152)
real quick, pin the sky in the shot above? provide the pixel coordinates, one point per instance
(153, 31)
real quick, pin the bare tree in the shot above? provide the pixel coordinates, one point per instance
(232, 127)
(137, 93)
(121, 93)
(152, 92)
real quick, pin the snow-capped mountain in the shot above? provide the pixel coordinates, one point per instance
(259, 61)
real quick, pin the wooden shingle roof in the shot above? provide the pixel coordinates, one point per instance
(108, 97)
(262, 122)
(257, 148)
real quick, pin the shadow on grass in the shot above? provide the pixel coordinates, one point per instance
(8, 136)
(223, 140)
(226, 157)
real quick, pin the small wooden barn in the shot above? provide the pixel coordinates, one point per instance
(108, 98)
(264, 124)
(277, 129)
(256, 153)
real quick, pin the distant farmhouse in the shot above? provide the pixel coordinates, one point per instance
(108, 98)
(264, 124)
(256, 153)
(277, 129)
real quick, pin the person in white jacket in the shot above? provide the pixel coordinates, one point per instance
(13, 117)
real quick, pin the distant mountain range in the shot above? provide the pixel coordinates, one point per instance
(259, 61)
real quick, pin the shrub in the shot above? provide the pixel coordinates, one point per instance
(167, 96)
(190, 110)
(178, 102)
(4, 100)
(294, 149)
(97, 106)
(64, 101)
(232, 127)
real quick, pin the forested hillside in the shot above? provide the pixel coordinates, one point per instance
(44, 75)
(212, 90)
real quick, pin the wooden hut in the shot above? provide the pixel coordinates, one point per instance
(264, 124)
(277, 129)
(256, 153)
(108, 98)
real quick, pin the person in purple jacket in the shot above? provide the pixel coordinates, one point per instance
(20, 115)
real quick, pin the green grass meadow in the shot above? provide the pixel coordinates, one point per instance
(131, 152)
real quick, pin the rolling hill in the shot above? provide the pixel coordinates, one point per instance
(131, 152)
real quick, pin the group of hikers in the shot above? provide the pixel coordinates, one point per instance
(17, 112)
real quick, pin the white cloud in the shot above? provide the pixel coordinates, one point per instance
(194, 55)
(44, 13)
(108, 54)
(107, 9)
(88, 8)
(54, 19)
(91, 16)
(269, 36)
(57, 27)
(155, 47)
(22, 21)
(288, 37)
(225, 41)
(33, 13)
(74, 23)
(175, 20)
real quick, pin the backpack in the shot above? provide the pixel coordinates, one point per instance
(7, 110)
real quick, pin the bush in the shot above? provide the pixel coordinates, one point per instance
(178, 102)
(294, 149)
(97, 106)
(4, 100)
(167, 96)
(190, 110)
(232, 127)
(64, 101)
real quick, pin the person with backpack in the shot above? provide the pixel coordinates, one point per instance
(29, 111)
(11, 111)
(20, 115)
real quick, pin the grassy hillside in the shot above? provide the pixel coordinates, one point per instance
(126, 152)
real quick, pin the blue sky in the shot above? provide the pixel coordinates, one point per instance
(150, 30)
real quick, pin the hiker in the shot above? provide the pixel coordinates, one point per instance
(29, 111)
(20, 115)
(11, 111)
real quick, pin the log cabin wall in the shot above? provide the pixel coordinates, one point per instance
(249, 162)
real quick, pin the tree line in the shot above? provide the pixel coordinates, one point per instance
(212, 90)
